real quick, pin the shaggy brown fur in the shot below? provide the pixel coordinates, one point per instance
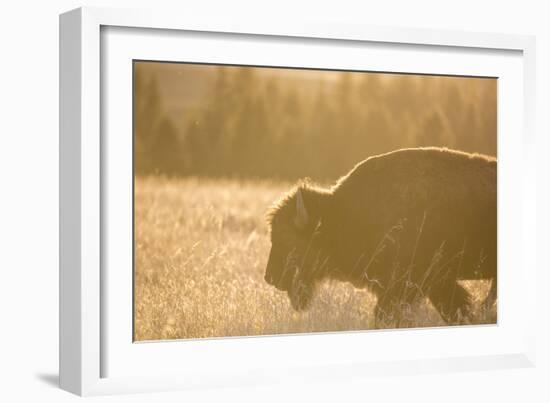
(405, 224)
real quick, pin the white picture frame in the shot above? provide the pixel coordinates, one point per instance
(98, 358)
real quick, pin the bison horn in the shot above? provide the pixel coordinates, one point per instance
(301, 218)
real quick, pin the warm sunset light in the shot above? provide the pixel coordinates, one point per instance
(276, 201)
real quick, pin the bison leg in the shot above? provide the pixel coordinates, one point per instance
(451, 300)
(492, 295)
(394, 308)
(384, 313)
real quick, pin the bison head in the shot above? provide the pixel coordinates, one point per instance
(295, 260)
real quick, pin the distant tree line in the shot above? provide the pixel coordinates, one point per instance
(258, 126)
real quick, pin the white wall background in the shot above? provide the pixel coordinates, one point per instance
(29, 197)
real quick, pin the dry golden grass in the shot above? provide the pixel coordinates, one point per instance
(201, 247)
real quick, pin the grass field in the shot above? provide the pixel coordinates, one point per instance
(201, 247)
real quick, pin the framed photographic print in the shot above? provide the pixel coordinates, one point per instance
(249, 202)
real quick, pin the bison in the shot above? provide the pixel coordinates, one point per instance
(405, 225)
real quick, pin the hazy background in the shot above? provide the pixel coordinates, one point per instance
(216, 146)
(229, 121)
